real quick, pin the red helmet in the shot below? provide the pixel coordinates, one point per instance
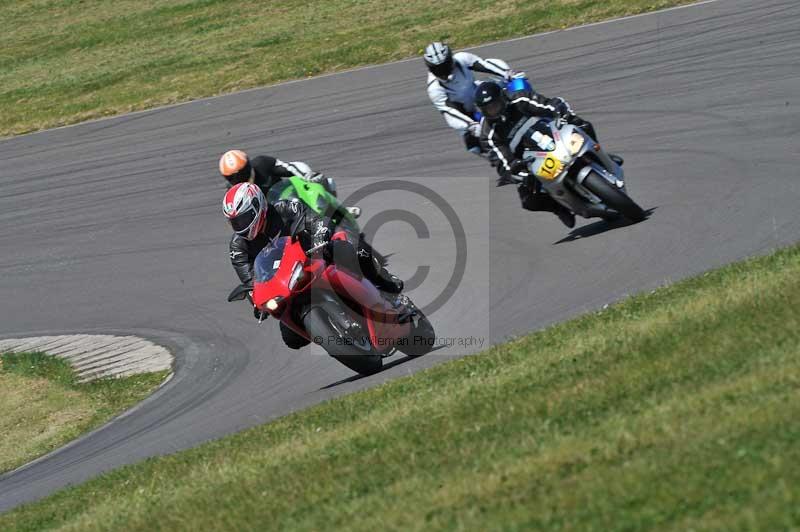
(234, 165)
(245, 207)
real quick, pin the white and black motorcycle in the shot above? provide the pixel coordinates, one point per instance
(575, 170)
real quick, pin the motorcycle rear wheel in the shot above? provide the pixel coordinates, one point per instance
(614, 197)
(324, 326)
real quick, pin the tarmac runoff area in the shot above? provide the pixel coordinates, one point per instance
(97, 356)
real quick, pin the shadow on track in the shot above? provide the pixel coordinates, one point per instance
(599, 227)
(357, 377)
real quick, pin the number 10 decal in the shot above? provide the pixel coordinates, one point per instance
(549, 168)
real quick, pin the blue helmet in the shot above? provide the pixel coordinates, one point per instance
(519, 84)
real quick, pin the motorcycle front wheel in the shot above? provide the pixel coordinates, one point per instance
(421, 339)
(614, 197)
(326, 328)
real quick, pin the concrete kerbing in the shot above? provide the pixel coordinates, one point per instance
(95, 356)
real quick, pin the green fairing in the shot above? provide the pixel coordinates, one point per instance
(313, 195)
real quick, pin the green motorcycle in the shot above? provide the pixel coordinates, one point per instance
(317, 197)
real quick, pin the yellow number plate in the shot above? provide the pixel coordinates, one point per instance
(550, 168)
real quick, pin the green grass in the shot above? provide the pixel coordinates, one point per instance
(44, 407)
(70, 60)
(675, 410)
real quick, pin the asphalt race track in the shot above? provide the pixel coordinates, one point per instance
(115, 226)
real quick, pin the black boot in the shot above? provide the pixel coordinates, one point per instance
(528, 199)
(616, 158)
(387, 282)
(541, 201)
(372, 265)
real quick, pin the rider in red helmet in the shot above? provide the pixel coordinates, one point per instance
(255, 223)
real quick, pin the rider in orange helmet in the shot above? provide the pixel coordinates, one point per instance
(263, 170)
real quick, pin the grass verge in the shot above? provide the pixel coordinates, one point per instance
(675, 410)
(63, 62)
(44, 407)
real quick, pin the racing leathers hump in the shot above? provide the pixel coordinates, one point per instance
(269, 170)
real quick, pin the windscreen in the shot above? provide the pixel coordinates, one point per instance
(269, 260)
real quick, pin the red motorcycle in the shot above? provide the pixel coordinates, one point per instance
(334, 306)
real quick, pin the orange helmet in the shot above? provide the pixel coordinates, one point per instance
(234, 165)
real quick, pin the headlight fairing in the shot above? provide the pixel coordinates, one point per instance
(576, 142)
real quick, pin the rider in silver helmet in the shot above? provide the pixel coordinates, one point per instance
(451, 87)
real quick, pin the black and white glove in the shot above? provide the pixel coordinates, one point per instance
(518, 167)
(315, 234)
(474, 129)
(321, 233)
(510, 73)
(562, 108)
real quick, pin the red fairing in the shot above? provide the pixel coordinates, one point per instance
(362, 299)
(278, 286)
(381, 318)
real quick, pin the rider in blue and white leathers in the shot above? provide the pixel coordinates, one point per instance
(451, 87)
